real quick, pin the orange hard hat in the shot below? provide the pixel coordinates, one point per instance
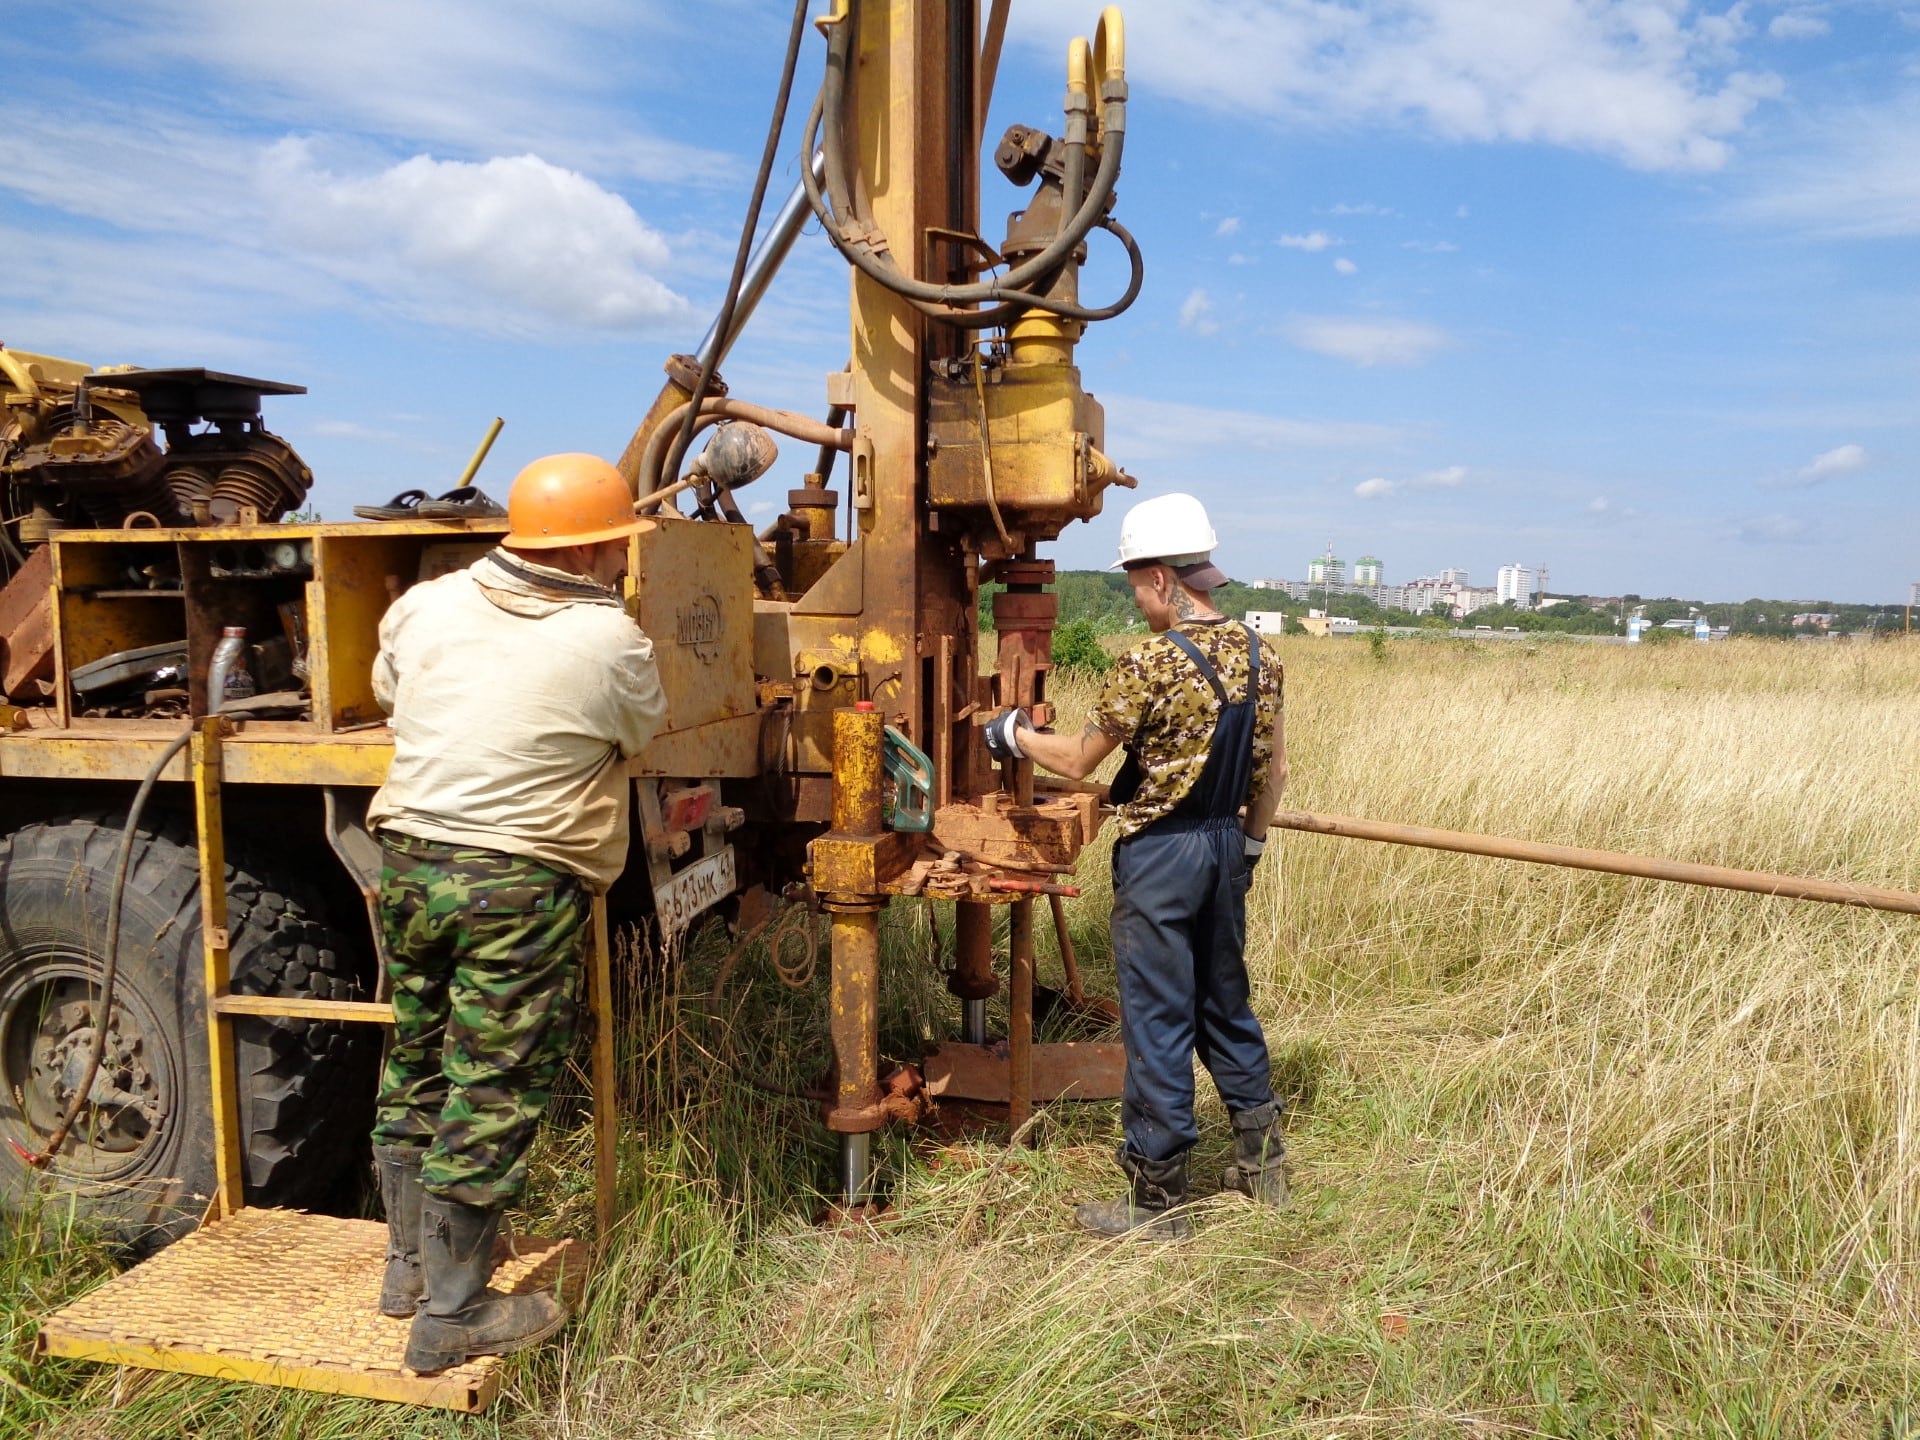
(569, 500)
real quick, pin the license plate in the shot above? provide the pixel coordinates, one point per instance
(701, 885)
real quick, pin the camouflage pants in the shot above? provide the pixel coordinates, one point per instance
(483, 950)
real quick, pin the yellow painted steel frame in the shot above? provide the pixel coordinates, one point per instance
(606, 1127)
(228, 1160)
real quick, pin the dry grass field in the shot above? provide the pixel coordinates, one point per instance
(1573, 1154)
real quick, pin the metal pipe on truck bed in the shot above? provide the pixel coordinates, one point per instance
(1612, 862)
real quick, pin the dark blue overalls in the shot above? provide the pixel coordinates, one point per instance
(1179, 941)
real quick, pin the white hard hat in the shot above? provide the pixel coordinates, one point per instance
(1173, 529)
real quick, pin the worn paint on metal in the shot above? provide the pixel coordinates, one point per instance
(854, 1004)
(1084, 1070)
(693, 596)
(858, 768)
(228, 1158)
(279, 1297)
(102, 751)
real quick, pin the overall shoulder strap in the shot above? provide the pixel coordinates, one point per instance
(1207, 672)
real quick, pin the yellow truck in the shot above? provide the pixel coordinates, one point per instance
(825, 676)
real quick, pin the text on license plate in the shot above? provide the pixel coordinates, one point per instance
(704, 883)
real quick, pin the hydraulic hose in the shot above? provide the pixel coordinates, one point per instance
(716, 408)
(723, 325)
(947, 302)
(110, 971)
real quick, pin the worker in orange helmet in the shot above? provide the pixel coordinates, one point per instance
(519, 688)
(1197, 707)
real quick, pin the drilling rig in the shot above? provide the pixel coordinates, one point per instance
(189, 994)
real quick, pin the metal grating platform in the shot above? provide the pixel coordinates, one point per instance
(280, 1297)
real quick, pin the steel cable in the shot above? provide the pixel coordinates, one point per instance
(725, 321)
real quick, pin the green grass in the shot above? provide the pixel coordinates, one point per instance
(1573, 1154)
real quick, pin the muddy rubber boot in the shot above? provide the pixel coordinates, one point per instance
(402, 1285)
(460, 1317)
(1259, 1168)
(1153, 1207)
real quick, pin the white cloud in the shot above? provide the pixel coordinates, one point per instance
(1798, 25)
(1144, 429)
(1346, 266)
(512, 244)
(1652, 83)
(1447, 479)
(1851, 176)
(477, 79)
(1228, 226)
(1831, 464)
(1196, 313)
(1430, 247)
(1366, 342)
(1364, 207)
(1238, 259)
(1312, 241)
(1605, 511)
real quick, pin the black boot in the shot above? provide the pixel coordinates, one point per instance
(461, 1317)
(401, 1286)
(1259, 1166)
(1151, 1208)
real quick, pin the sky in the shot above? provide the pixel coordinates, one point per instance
(1622, 287)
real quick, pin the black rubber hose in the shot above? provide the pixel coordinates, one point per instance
(725, 321)
(822, 120)
(1015, 302)
(1011, 302)
(103, 1013)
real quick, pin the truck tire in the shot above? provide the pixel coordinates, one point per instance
(139, 1164)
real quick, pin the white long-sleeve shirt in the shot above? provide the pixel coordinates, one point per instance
(516, 699)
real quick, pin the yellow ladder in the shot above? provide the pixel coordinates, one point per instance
(281, 1297)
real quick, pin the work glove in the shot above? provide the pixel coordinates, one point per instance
(1253, 850)
(1003, 738)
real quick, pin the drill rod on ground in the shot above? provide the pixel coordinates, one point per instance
(1612, 862)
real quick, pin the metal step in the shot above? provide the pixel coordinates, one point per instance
(281, 1297)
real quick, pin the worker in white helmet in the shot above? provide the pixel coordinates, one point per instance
(1198, 709)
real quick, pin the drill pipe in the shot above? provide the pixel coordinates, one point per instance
(1612, 862)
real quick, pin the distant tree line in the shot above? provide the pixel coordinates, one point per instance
(1099, 602)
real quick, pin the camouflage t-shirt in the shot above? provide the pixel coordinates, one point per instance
(1157, 704)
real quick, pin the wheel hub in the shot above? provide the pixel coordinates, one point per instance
(122, 1081)
(47, 1035)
